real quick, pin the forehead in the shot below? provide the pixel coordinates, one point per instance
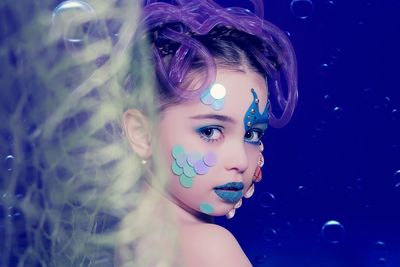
(238, 85)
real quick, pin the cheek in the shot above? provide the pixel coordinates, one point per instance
(254, 155)
(186, 165)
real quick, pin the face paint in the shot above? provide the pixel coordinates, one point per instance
(186, 166)
(206, 208)
(253, 115)
(214, 96)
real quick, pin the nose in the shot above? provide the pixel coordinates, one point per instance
(236, 157)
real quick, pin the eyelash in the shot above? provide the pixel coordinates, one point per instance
(203, 135)
(201, 132)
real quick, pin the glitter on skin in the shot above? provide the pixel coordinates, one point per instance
(206, 208)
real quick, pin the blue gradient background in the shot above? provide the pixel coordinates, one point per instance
(337, 158)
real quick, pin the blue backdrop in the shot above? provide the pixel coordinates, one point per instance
(331, 189)
(330, 195)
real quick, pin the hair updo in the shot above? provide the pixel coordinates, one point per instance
(201, 35)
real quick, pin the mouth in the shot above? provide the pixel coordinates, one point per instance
(230, 192)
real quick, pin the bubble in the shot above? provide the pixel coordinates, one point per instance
(9, 162)
(266, 199)
(333, 231)
(338, 112)
(397, 187)
(396, 176)
(335, 53)
(379, 246)
(270, 235)
(302, 9)
(381, 261)
(323, 68)
(302, 190)
(330, 4)
(63, 20)
(395, 114)
(386, 102)
(260, 259)
(320, 126)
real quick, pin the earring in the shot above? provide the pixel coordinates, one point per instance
(257, 176)
(249, 192)
(144, 162)
(232, 212)
(258, 173)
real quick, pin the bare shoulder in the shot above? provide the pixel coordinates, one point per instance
(211, 245)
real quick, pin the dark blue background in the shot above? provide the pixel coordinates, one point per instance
(338, 157)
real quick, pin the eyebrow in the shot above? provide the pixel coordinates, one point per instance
(218, 117)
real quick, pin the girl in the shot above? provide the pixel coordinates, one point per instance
(198, 91)
(214, 71)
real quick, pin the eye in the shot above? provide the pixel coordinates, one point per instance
(210, 133)
(253, 136)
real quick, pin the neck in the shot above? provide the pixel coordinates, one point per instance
(184, 214)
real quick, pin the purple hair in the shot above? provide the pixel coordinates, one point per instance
(183, 24)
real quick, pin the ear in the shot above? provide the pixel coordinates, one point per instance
(138, 131)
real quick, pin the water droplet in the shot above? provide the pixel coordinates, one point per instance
(333, 231)
(9, 162)
(266, 199)
(302, 9)
(68, 20)
(270, 235)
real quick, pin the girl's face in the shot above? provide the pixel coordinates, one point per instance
(207, 144)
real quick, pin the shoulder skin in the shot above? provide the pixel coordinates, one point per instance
(210, 245)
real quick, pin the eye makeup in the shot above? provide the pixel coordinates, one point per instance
(252, 115)
(212, 133)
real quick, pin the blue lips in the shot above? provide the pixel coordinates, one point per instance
(230, 192)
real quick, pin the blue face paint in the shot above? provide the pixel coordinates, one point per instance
(253, 115)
